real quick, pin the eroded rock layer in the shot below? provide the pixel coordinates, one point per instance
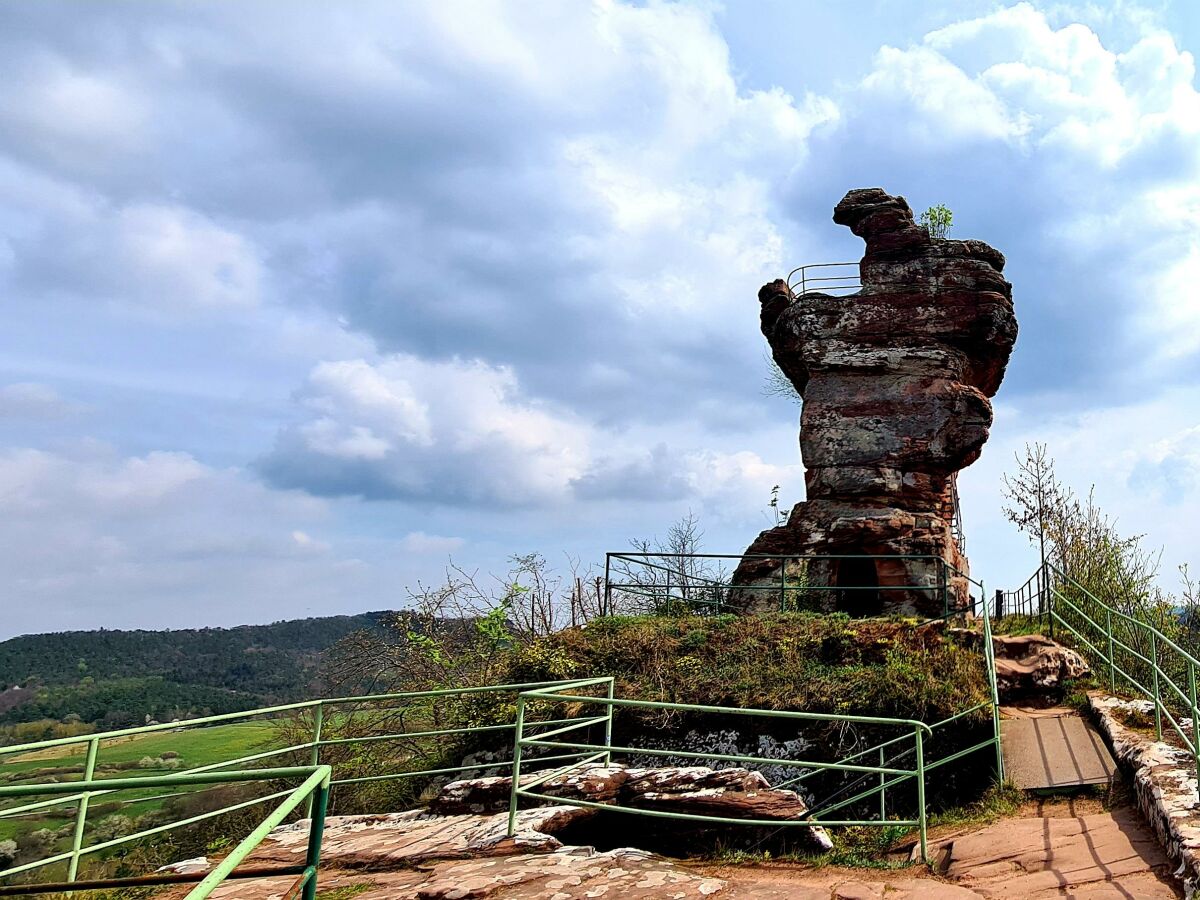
(896, 381)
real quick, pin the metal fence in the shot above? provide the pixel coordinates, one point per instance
(825, 278)
(1131, 652)
(890, 773)
(679, 583)
(536, 742)
(81, 793)
(315, 787)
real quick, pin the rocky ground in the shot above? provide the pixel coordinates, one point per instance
(1061, 849)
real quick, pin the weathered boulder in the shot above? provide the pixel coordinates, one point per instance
(895, 380)
(733, 793)
(1031, 663)
(594, 783)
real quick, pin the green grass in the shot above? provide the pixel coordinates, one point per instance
(195, 747)
(346, 892)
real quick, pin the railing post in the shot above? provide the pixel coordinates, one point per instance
(783, 585)
(1112, 659)
(882, 789)
(1154, 666)
(608, 724)
(944, 587)
(1195, 721)
(316, 832)
(989, 660)
(607, 605)
(921, 793)
(81, 811)
(999, 604)
(315, 756)
(1048, 602)
(516, 768)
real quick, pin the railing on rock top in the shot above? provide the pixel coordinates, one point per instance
(665, 583)
(825, 278)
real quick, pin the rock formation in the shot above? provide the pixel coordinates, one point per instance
(732, 793)
(895, 380)
(1032, 664)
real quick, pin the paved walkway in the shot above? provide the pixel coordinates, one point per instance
(1052, 748)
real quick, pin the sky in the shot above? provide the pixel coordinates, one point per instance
(302, 300)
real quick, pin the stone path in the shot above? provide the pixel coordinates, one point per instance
(1063, 849)
(1052, 748)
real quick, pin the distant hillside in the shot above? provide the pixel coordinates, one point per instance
(115, 678)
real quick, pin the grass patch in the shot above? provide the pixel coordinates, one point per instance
(1000, 801)
(345, 892)
(118, 757)
(793, 661)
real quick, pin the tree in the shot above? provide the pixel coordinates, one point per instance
(1081, 540)
(937, 219)
(1035, 494)
(664, 570)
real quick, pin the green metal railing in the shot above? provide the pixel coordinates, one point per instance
(1130, 651)
(81, 793)
(685, 582)
(537, 742)
(315, 788)
(888, 772)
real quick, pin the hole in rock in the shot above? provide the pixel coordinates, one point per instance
(859, 594)
(679, 839)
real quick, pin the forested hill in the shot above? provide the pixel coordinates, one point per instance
(114, 677)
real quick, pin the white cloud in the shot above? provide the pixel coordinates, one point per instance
(465, 433)
(419, 543)
(95, 539)
(1142, 458)
(459, 431)
(32, 400)
(1011, 75)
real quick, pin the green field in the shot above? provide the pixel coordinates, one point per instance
(195, 747)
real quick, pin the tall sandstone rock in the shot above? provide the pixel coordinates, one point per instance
(896, 381)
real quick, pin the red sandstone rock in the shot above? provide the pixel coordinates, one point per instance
(1030, 663)
(734, 793)
(896, 381)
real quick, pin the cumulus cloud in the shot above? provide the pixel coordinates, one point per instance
(421, 544)
(464, 433)
(149, 257)
(529, 262)
(451, 432)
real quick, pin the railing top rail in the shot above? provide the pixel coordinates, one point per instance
(641, 555)
(34, 746)
(142, 781)
(743, 711)
(846, 281)
(1133, 619)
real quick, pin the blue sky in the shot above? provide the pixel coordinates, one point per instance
(302, 300)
